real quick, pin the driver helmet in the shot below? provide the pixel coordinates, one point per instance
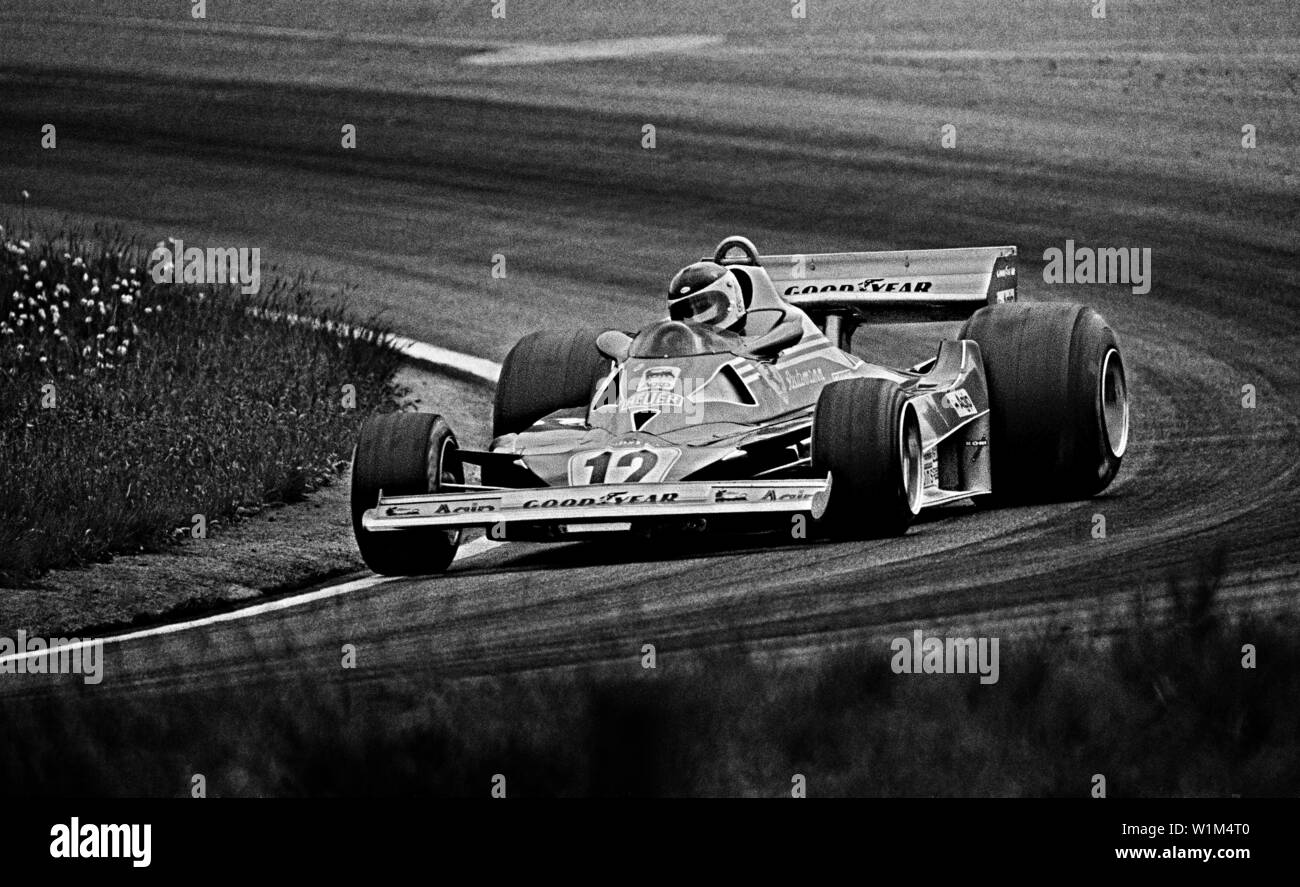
(706, 292)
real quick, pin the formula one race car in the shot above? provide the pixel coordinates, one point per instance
(688, 425)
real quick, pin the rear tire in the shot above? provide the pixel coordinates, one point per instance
(866, 435)
(404, 454)
(1059, 414)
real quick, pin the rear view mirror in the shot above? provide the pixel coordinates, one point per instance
(614, 344)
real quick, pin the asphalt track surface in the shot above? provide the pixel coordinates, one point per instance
(803, 143)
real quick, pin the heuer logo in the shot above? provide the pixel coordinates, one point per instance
(657, 388)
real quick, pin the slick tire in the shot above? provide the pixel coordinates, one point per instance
(1058, 400)
(867, 437)
(546, 371)
(404, 454)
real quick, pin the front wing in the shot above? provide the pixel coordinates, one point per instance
(593, 505)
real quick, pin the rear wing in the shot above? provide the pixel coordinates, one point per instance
(900, 285)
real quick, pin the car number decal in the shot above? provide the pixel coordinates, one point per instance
(621, 465)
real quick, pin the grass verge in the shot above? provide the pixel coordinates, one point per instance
(133, 412)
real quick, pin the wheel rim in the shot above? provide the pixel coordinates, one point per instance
(438, 473)
(1114, 403)
(909, 448)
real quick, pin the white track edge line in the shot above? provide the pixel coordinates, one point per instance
(420, 352)
(471, 549)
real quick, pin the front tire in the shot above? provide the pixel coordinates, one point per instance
(867, 437)
(404, 454)
(1058, 399)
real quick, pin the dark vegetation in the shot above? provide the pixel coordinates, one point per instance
(127, 407)
(1165, 709)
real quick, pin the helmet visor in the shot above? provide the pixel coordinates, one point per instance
(706, 306)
